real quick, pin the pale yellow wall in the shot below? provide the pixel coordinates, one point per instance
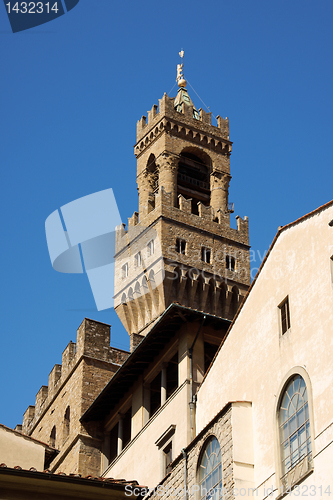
(242, 446)
(16, 449)
(141, 458)
(255, 359)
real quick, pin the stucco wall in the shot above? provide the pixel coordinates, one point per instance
(19, 450)
(142, 457)
(255, 358)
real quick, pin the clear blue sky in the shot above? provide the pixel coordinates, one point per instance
(71, 93)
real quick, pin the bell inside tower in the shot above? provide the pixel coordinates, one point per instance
(193, 180)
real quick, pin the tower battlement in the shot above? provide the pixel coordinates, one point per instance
(93, 341)
(166, 109)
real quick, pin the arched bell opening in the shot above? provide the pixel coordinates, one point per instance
(193, 177)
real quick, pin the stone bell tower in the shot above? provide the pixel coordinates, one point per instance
(180, 247)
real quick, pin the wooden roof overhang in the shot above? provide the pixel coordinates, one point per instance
(150, 346)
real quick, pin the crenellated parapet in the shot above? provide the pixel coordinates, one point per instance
(93, 342)
(181, 124)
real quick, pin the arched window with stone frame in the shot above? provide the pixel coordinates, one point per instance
(209, 474)
(294, 422)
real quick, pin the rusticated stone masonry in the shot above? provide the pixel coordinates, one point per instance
(173, 484)
(87, 366)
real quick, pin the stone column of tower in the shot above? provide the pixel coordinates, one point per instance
(167, 167)
(180, 246)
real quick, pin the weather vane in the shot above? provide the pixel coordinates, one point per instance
(180, 76)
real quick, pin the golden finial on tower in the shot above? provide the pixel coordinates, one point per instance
(180, 76)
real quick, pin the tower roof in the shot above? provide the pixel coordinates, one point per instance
(183, 97)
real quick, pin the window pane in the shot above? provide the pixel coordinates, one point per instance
(294, 458)
(290, 390)
(300, 417)
(214, 461)
(283, 415)
(292, 425)
(284, 432)
(309, 446)
(301, 435)
(300, 402)
(294, 403)
(209, 482)
(302, 451)
(296, 384)
(210, 470)
(213, 445)
(285, 450)
(307, 430)
(215, 476)
(293, 443)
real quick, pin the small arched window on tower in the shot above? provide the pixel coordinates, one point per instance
(193, 180)
(67, 418)
(210, 471)
(295, 433)
(153, 181)
(230, 263)
(53, 437)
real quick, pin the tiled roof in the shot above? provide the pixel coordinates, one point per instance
(92, 479)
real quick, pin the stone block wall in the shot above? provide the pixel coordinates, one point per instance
(221, 428)
(87, 366)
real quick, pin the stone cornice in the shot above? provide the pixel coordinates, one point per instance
(212, 139)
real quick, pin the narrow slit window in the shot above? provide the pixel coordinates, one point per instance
(124, 270)
(53, 437)
(150, 248)
(285, 315)
(230, 262)
(180, 246)
(168, 458)
(138, 260)
(206, 255)
(67, 419)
